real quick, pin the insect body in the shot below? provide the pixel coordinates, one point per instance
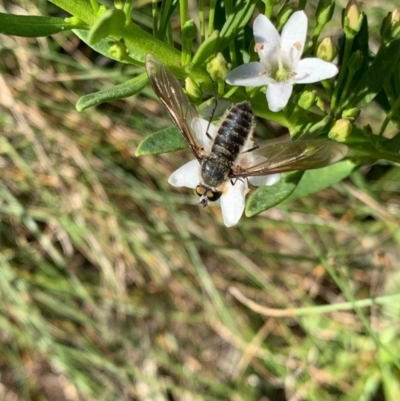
(216, 168)
(233, 141)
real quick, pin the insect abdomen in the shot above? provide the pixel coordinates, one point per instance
(235, 128)
(237, 124)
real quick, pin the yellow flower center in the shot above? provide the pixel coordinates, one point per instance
(282, 73)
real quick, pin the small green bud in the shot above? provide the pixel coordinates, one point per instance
(352, 19)
(73, 20)
(390, 27)
(351, 114)
(119, 4)
(189, 30)
(117, 50)
(102, 9)
(308, 99)
(326, 50)
(356, 60)
(284, 14)
(107, 23)
(324, 11)
(218, 68)
(320, 104)
(194, 92)
(340, 130)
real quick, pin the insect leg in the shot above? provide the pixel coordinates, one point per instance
(251, 149)
(236, 180)
(213, 112)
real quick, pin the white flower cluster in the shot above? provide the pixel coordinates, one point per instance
(280, 65)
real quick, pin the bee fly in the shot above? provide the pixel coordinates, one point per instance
(232, 139)
(216, 168)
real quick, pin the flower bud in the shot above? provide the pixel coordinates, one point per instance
(117, 50)
(218, 68)
(351, 114)
(326, 50)
(356, 60)
(324, 11)
(321, 105)
(73, 20)
(340, 130)
(189, 30)
(119, 4)
(102, 9)
(352, 19)
(390, 27)
(193, 91)
(308, 99)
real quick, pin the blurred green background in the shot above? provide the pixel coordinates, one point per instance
(116, 286)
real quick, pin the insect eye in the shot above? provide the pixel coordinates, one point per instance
(213, 196)
(200, 191)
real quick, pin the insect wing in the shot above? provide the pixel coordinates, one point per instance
(168, 89)
(292, 156)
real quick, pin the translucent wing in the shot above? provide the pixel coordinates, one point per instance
(291, 156)
(168, 89)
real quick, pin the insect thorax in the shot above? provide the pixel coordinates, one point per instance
(215, 170)
(236, 127)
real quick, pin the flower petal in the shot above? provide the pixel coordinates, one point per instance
(186, 176)
(267, 39)
(265, 32)
(293, 37)
(232, 202)
(278, 95)
(197, 128)
(313, 69)
(250, 74)
(264, 180)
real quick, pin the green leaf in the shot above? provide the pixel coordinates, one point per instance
(316, 180)
(137, 41)
(108, 23)
(363, 143)
(206, 49)
(82, 9)
(266, 197)
(102, 46)
(163, 141)
(385, 62)
(167, 9)
(121, 91)
(32, 26)
(392, 145)
(236, 21)
(361, 43)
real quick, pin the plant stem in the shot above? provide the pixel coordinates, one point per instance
(127, 11)
(211, 17)
(342, 73)
(202, 21)
(183, 12)
(95, 5)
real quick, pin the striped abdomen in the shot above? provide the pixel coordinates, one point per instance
(237, 125)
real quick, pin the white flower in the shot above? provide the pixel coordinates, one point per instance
(280, 66)
(233, 194)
